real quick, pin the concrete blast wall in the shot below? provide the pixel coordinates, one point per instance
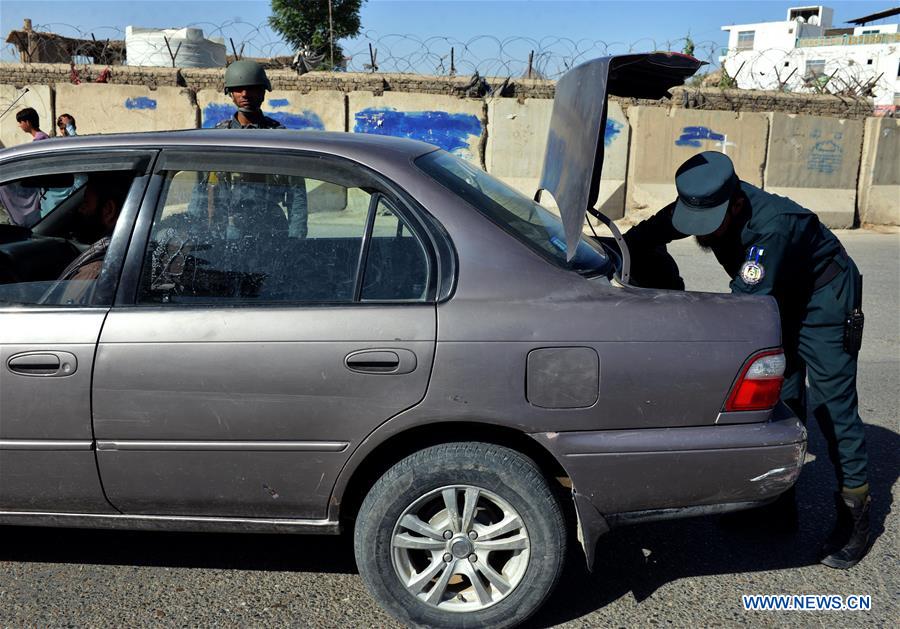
(103, 108)
(879, 173)
(663, 140)
(518, 137)
(456, 125)
(38, 97)
(815, 161)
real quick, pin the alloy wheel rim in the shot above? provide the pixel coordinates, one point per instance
(460, 548)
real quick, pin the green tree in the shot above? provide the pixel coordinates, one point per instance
(305, 24)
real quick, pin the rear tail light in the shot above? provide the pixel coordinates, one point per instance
(758, 386)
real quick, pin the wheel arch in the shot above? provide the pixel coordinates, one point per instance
(374, 459)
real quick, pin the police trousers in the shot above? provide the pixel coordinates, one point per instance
(815, 351)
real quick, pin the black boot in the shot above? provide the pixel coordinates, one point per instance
(849, 541)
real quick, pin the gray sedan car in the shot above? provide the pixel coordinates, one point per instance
(307, 332)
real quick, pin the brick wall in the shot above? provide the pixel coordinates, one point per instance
(20, 74)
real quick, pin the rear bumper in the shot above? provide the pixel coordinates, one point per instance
(617, 472)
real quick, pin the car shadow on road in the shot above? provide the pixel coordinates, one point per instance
(639, 560)
(276, 552)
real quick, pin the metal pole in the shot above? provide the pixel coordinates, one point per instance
(530, 61)
(331, 34)
(13, 104)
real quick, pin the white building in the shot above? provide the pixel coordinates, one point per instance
(804, 53)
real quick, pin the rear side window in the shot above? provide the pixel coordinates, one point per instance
(251, 237)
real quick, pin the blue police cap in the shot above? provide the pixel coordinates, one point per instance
(705, 184)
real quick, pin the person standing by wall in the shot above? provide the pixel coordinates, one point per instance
(30, 123)
(65, 125)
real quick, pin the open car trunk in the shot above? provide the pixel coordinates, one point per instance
(573, 159)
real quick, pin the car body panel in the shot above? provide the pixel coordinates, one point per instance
(169, 377)
(46, 455)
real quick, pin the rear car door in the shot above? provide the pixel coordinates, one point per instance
(49, 326)
(282, 308)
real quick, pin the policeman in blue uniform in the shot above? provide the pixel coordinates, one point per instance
(770, 245)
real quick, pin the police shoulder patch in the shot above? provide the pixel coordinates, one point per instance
(752, 272)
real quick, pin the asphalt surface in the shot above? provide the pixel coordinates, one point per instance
(682, 573)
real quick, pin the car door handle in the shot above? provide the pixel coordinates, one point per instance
(43, 364)
(381, 361)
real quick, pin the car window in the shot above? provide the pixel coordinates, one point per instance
(525, 219)
(61, 266)
(396, 265)
(242, 237)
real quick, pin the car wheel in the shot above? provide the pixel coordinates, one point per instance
(461, 535)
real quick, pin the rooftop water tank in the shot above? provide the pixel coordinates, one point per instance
(147, 47)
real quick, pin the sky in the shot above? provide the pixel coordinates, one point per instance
(485, 35)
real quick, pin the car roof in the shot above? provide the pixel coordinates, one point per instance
(357, 146)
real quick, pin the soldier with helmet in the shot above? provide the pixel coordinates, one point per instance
(246, 82)
(255, 199)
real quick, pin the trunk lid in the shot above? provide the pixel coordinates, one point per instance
(573, 158)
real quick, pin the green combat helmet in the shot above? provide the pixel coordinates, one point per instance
(243, 73)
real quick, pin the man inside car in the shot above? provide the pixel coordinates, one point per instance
(96, 218)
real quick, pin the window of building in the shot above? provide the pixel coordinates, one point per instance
(815, 67)
(868, 62)
(803, 12)
(787, 64)
(745, 40)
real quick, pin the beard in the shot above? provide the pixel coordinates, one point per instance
(706, 243)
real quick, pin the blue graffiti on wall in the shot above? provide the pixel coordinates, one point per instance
(140, 102)
(613, 128)
(214, 113)
(825, 156)
(693, 136)
(279, 102)
(449, 131)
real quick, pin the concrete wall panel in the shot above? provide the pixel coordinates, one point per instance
(517, 139)
(106, 108)
(38, 97)
(879, 173)
(317, 111)
(815, 161)
(454, 124)
(662, 140)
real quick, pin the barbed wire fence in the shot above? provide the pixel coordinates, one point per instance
(488, 55)
(483, 55)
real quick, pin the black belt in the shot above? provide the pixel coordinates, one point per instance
(831, 270)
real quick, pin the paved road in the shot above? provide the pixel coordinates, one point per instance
(689, 572)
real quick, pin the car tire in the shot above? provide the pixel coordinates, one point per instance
(424, 564)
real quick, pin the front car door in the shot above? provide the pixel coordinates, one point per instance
(49, 326)
(282, 308)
